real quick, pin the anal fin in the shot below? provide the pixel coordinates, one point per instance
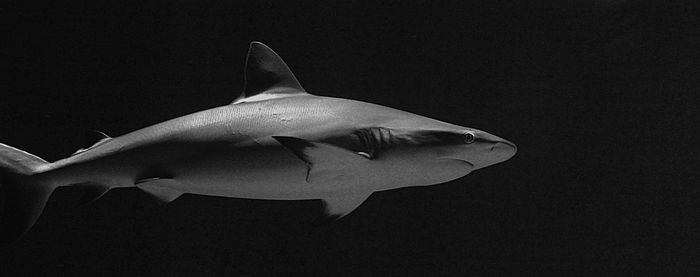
(91, 192)
(162, 189)
(337, 207)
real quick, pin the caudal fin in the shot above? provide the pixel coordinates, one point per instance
(24, 198)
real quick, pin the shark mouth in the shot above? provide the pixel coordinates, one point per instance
(467, 164)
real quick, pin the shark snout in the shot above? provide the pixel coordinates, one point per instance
(497, 150)
(499, 144)
(503, 150)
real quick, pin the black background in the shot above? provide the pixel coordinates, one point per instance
(600, 96)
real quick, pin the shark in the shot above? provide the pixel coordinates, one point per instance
(276, 141)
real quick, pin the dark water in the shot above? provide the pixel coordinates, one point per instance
(601, 99)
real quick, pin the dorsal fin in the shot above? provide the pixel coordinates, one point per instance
(92, 138)
(266, 72)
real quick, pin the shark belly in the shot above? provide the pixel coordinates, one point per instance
(270, 172)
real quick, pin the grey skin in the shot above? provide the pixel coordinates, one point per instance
(276, 141)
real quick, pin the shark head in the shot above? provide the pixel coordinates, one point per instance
(419, 138)
(477, 148)
(431, 151)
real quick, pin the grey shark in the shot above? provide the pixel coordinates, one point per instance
(276, 141)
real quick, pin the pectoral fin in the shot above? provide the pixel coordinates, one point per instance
(162, 189)
(327, 163)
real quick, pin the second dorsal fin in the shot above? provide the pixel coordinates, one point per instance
(92, 139)
(266, 73)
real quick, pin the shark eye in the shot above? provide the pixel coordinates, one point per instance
(469, 138)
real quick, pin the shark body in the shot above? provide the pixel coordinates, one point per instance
(276, 141)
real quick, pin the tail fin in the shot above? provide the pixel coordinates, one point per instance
(24, 199)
